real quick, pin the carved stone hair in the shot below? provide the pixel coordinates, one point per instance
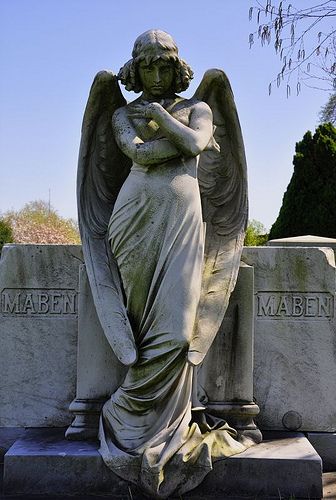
(151, 46)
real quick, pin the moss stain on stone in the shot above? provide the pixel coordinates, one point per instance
(300, 269)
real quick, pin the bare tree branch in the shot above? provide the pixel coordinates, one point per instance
(304, 39)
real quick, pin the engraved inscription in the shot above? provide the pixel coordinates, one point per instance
(38, 302)
(295, 305)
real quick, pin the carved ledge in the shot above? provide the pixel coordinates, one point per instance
(240, 415)
(86, 419)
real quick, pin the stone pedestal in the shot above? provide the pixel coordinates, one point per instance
(99, 373)
(45, 463)
(226, 374)
(227, 371)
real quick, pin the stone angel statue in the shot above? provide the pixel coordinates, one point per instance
(162, 203)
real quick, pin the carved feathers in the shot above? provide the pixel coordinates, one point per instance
(223, 185)
(102, 169)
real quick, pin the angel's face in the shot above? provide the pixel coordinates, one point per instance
(157, 78)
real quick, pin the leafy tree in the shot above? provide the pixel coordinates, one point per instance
(304, 39)
(255, 234)
(328, 112)
(37, 222)
(309, 204)
(6, 234)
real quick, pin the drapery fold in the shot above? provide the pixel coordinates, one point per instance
(146, 428)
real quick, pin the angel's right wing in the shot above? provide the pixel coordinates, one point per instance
(223, 186)
(102, 169)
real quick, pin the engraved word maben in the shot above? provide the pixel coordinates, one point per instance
(294, 305)
(38, 302)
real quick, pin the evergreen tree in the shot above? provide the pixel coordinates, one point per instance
(328, 112)
(309, 204)
(6, 233)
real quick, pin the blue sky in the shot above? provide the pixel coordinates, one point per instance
(50, 51)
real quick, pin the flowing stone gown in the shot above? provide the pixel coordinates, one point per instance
(174, 279)
(156, 235)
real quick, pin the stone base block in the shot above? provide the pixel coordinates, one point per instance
(45, 463)
(325, 445)
(8, 436)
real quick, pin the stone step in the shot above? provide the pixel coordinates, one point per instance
(44, 463)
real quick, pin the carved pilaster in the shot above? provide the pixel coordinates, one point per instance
(99, 372)
(227, 372)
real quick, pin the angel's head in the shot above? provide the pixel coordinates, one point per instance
(155, 53)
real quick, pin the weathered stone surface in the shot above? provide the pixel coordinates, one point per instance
(226, 374)
(295, 341)
(38, 334)
(276, 468)
(45, 463)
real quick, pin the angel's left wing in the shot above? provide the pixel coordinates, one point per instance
(223, 185)
(102, 169)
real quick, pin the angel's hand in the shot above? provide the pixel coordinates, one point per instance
(213, 145)
(150, 110)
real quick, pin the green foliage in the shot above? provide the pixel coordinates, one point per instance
(328, 112)
(37, 222)
(255, 234)
(309, 204)
(6, 234)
